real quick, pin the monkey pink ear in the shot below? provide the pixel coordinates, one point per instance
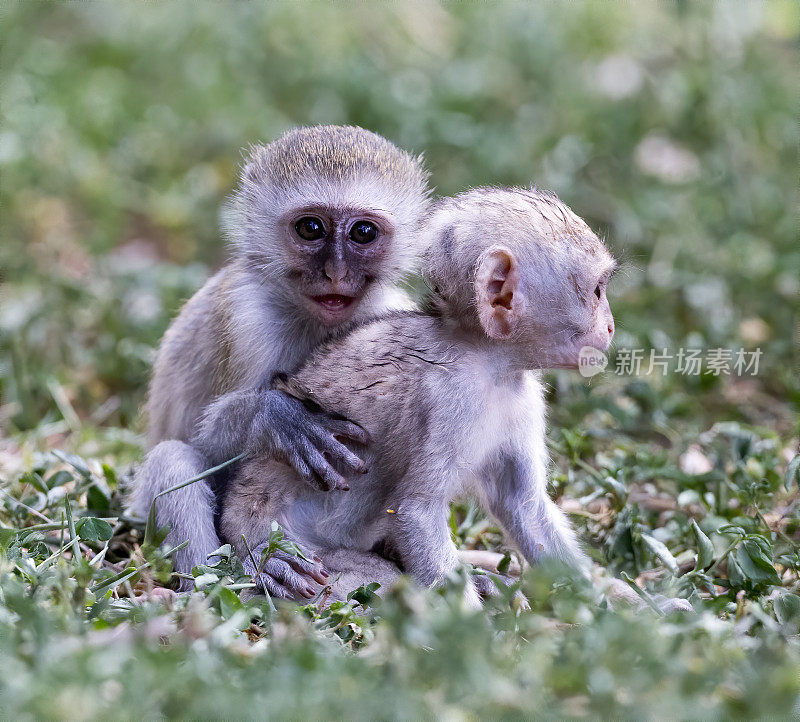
(497, 292)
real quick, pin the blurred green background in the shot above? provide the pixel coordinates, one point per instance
(671, 127)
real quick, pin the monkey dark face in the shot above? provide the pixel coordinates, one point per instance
(334, 256)
(323, 214)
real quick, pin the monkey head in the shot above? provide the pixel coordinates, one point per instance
(524, 270)
(324, 214)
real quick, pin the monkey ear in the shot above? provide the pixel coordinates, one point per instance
(497, 292)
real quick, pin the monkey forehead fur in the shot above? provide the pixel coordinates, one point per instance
(540, 230)
(336, 167)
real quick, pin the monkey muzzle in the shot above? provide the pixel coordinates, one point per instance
(333, 308)
(333, 301)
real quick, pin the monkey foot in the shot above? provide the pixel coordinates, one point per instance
(285, 576)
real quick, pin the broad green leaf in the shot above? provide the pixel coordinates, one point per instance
(735, 574)
(732, 529)
(705, 549)
(365, 594)
(92, 529)
(661, 551)
(289, 547)
(229, 602)
(754, 565)
(275, 535)
(787, 608)
(60, 478)
(205, 580)
(97, 498)
(6, 537)
(224, 551)
(36, 481)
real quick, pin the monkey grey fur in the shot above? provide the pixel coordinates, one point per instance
(451, 399)
(324, 222)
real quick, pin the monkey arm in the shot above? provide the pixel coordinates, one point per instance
(268, 423)
(515, 488)
(421, 537)
(518, 498)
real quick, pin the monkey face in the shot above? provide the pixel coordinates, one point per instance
(576, 311)
(334, 256)
(583, 318)
(322, 214)
(546, 305)
(534, 271)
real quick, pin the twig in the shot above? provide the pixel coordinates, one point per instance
(26, 507)
(199, 477)
(779, 532)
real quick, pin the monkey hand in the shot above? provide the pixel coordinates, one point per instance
(309, 441)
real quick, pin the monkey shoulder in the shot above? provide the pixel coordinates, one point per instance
(396, 340)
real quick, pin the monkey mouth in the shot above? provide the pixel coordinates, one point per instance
(334, 308)
(333, 301)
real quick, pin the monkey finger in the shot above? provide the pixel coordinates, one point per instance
(304, 470)
(348, 430)
(343, 457)
(274, 588)
(331, 479)
(312, 569)
(298, 585)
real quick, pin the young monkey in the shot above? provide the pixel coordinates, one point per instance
(324, 222)
(450, 398)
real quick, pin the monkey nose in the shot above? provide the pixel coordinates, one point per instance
(335, 272)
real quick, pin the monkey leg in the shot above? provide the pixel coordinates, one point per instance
(488, 560)
(350, 569)
(518, 499)
(252, 502)
(188, 511)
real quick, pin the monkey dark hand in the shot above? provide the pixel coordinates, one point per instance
(310, 442)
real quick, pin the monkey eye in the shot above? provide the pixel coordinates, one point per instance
(310, 228)
(364, 232)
